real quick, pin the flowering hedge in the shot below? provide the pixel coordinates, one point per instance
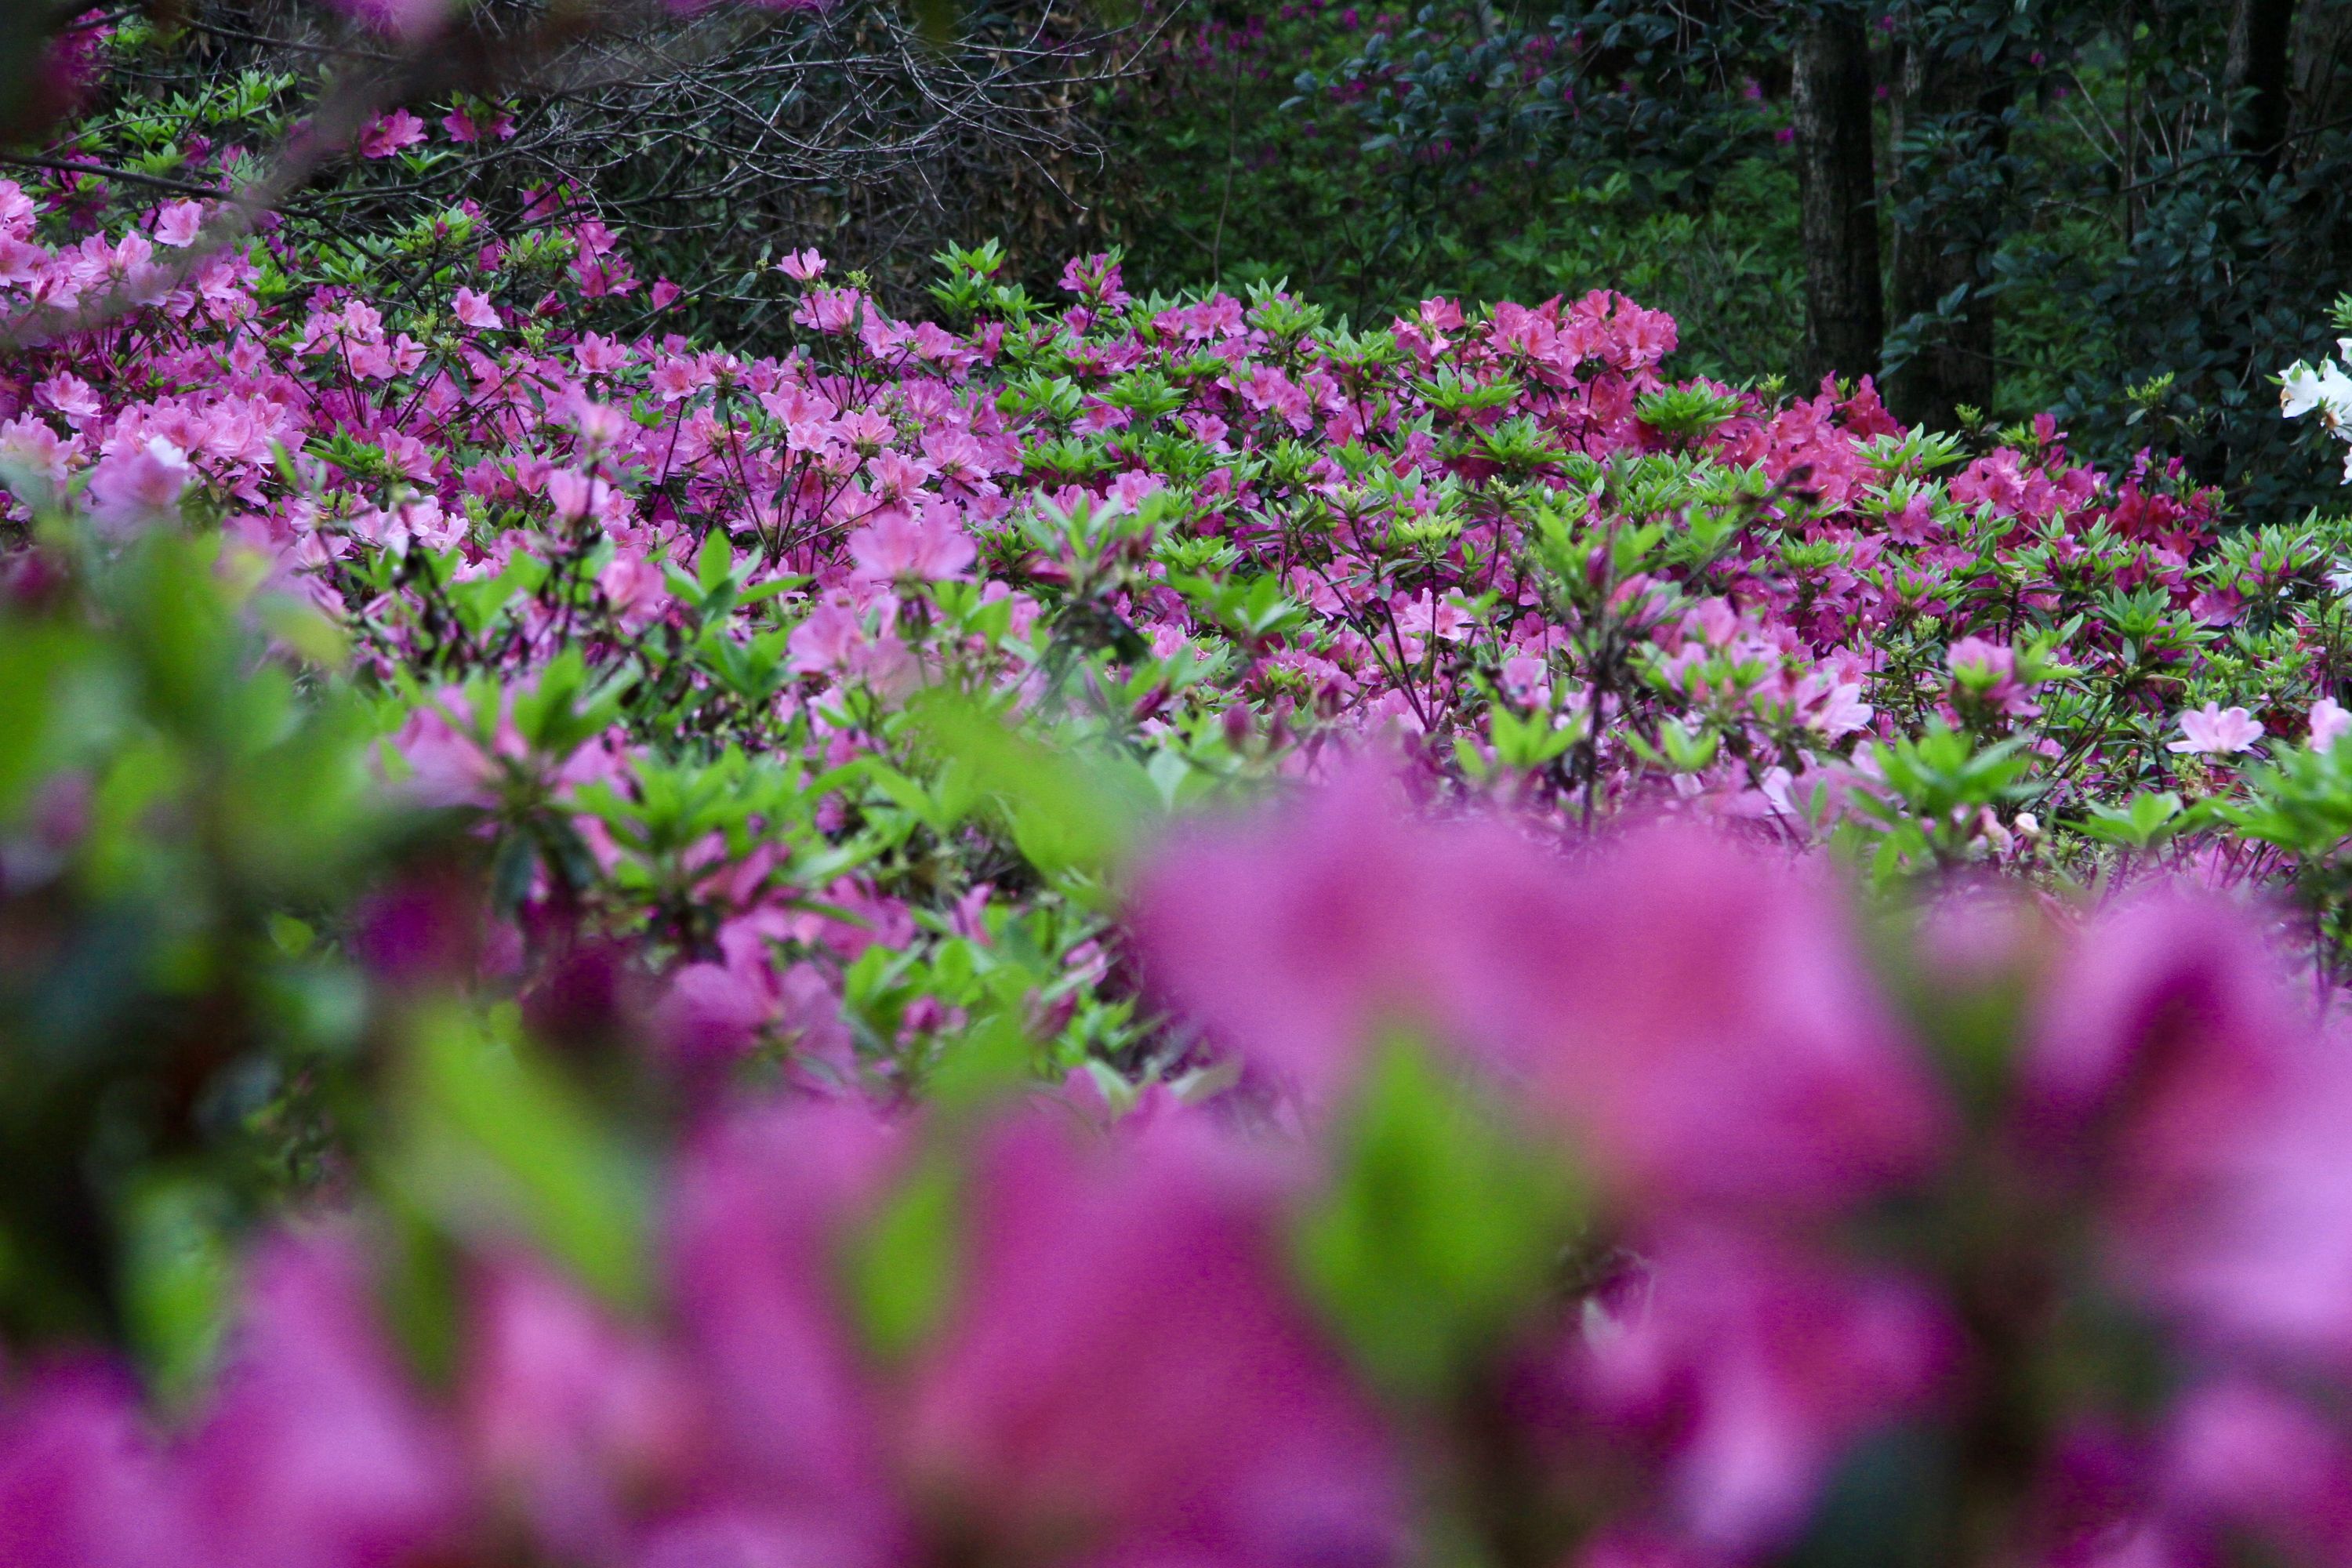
(463, 749)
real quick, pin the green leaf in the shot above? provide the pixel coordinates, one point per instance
(901, 1269)
(1441, 1227)
(499, 1146)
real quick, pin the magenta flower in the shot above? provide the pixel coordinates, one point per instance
(794, 1465)
(1702, 1026)
(1715, 1038)
(81, 1482)
(567, 1412)
(409, 19)
(2215, 731)
(388, 133)
(315, 1450)
(1128, 1375)
(1750, 1368)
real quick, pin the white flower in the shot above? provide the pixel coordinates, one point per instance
(2327, 389)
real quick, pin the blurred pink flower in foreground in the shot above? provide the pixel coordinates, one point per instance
(1700, 1021)
(406, 19)
(2329, 722)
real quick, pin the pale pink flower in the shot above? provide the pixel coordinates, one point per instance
(2329, 720)
(2215, 731)
(932, 548)
(473, 308)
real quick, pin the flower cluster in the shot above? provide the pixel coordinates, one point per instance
(1222, 536)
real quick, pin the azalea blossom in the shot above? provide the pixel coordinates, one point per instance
(2216, 731)
(2330, 719)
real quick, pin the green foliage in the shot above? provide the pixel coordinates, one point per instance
(1441, 1226)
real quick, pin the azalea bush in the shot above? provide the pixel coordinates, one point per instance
(608, 951)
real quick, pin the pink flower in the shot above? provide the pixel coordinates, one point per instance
(1987, 672)
(1711, 1035)
(1128, 1375)
(567, 1410)
(932, 548)
(401, 18)
(388, 133)
(2171, 1071)
(314, 1449)
(2244, 1458)
(1757, 1367)
(137, 485)
(806, 266)
(796, 1467)
(81, 1485)
(2216, 731)
(474, 309)
(1702, 1026)
(2329, 720)
(465, 129)
(179, 224)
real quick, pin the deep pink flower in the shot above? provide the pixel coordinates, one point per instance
(81, 1485)
(315, 1451)
(1755, 1367)
(1129, 1373)
(388, 133)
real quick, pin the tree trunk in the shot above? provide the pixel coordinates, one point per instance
(1845, 314)
(2257, 64)
(1954, 108)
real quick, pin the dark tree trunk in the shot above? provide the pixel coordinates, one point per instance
(1955, 108)
(2257, 63)
(1846, 313)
